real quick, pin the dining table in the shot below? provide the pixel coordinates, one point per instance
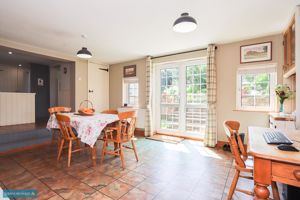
(88, 128)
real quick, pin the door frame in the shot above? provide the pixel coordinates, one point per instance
(181, 65)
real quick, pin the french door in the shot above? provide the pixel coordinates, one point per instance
(181, 98)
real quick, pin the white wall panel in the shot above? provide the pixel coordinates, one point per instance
(17, 108)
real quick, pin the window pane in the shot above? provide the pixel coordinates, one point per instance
(170, 90)
(169, 117)
(262, 101)
(255, 90)
(132, 93)
(196, 99)
(248, 101)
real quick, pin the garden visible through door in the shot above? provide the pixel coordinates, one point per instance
(181, 98)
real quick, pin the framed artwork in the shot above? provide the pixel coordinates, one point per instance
(256, 52)
(40, 82)
(129, 71)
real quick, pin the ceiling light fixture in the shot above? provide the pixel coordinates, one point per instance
(84, 52)
(20, 65)
(185, 24)
(9, 52)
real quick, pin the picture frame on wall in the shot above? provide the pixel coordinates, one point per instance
(256, 52)
(129, 71)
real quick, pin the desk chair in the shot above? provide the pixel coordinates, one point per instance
(240, 156)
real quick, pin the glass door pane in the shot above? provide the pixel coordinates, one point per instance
(196, 99)
(180, 98)
(169, 98)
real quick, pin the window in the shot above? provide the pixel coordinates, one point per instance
(255, 88)
(131, 92)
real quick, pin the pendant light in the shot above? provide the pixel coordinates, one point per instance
(84, 52)
(184, 24)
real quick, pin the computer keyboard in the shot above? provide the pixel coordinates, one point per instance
(276, 137)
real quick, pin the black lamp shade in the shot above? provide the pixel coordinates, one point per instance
(185, 23)
(84, 53)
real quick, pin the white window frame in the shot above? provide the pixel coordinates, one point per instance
(257, 69)
(126, 82)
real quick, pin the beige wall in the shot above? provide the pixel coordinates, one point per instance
(181, 56)
(228, 60)
(116, 83)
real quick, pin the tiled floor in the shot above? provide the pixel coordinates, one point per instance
(187, 170)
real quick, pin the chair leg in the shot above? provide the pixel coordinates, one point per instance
(103, 151)
(134, 149)
(233, 184)
(58, 140)
(275, 191)
(70, 153)
(53, 136)
(78, 143)
(60, 149)
(122, 156)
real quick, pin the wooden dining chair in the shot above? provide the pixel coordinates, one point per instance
(241, 162)
(122, 133)
(110, 111)
(68, 135)
(56, 131)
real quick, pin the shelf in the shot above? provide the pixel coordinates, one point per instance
(290, 72)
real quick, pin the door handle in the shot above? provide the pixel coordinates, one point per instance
(91, 91)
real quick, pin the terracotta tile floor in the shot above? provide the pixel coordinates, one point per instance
(187, 170)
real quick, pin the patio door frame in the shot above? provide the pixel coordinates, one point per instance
(181, 65)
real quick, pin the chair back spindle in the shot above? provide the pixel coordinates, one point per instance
(127, 124)
(65, 127)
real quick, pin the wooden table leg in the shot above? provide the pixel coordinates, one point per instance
(262, 178)
(261, 191)
(94, 155)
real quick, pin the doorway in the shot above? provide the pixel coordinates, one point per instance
(181, 93)
(40, 86)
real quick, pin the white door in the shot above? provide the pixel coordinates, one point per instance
(98, 86)
(182, 99)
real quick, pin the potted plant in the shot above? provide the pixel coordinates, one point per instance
(283, 92)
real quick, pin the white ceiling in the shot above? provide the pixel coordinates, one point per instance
(122, 30)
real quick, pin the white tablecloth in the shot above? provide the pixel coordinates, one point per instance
(88, 127)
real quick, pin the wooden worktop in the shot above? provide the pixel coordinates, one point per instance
(259, 148)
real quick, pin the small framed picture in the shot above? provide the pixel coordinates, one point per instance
(256, 52)
(129, 71)
(40, 82)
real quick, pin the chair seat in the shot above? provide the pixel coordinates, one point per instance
(123, 137)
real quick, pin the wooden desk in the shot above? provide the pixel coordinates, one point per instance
(271, 164)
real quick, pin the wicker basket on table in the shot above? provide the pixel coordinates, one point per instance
(86, 111)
